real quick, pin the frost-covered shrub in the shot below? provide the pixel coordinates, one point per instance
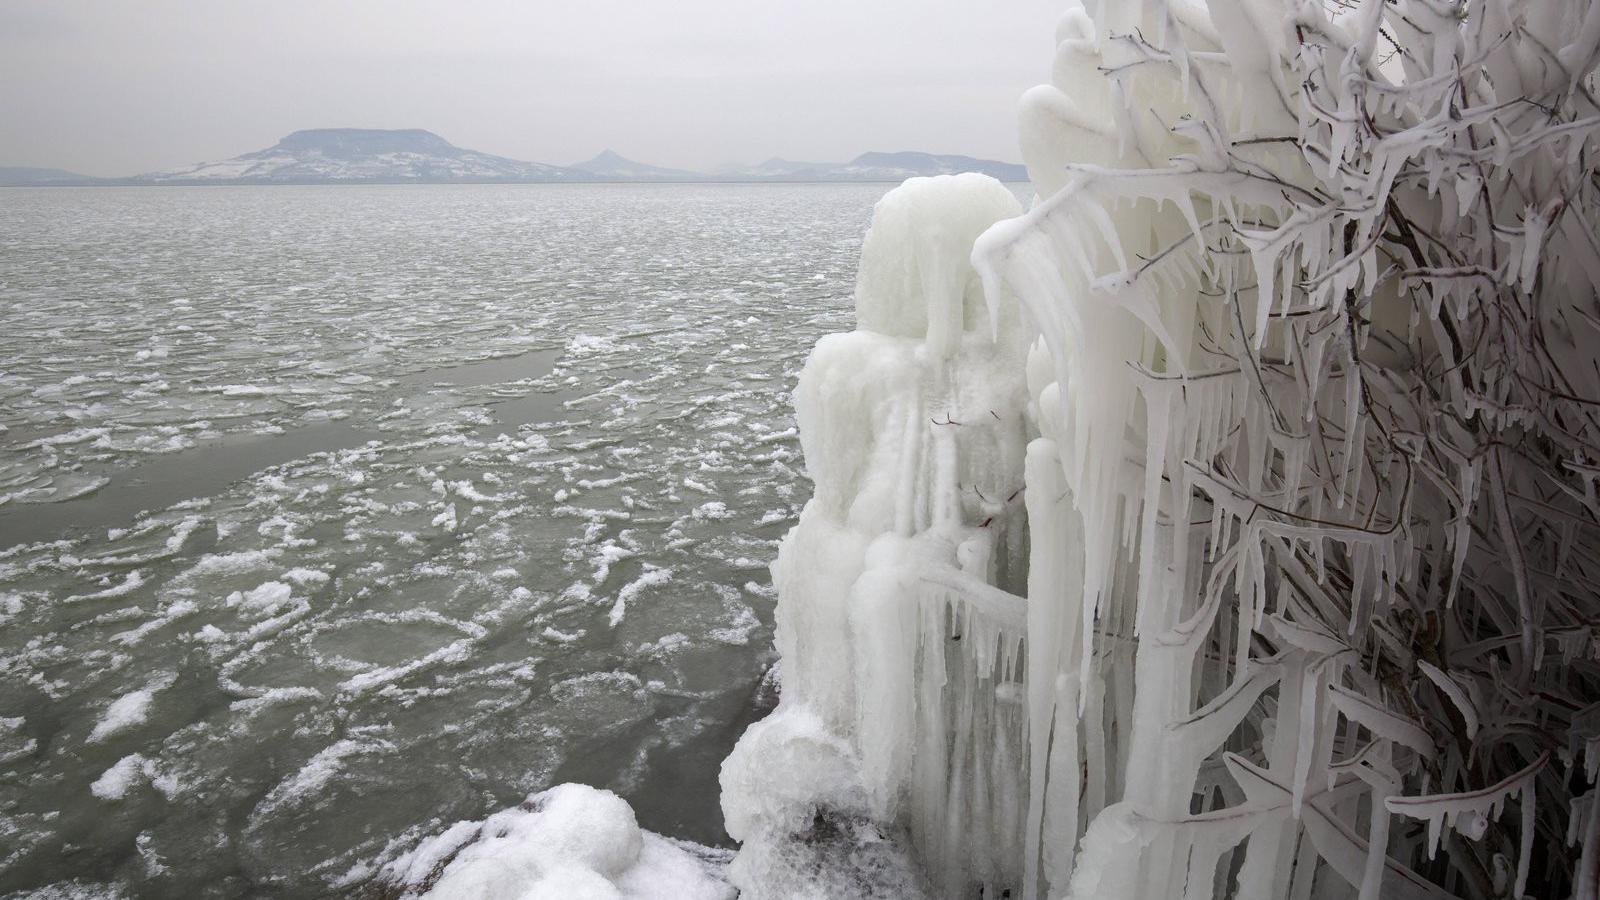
(1316, 533)
(1309, 454)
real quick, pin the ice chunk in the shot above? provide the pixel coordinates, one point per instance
(126, 711)
(262, 599)
(652, 576)
(216, 565)
(446, 519)
(715, 509)
(128, 585)
(303, 577)
(586, 344)
(115, 782)
(128, 773)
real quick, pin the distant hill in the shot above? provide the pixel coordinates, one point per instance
(609, 165)
(362, 155)
(776, 167)
(25, 176)
(874, 167)
(881, 167)
(907, 163)
(415, 156)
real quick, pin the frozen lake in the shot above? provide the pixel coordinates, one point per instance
(330, 516)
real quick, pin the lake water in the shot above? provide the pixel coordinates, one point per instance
(330, 516)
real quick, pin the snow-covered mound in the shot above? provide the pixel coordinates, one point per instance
(364, 154)
(571, 842)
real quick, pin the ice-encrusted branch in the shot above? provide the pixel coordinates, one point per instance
(1318, 325)
(1470, 812)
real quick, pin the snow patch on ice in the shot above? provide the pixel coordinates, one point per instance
(586, 344)
(127, 711)
(129, 584)
(319, 771)
(130, 772)
(263, 599)
(716, 509)
(650, 578)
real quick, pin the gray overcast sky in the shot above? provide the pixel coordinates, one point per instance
(116, 88)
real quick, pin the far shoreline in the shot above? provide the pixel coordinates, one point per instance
(409, 183)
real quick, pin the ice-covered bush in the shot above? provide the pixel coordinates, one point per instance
(1312, 519)
(1317, 287)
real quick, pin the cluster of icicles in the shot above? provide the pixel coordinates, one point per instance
(1227, 524)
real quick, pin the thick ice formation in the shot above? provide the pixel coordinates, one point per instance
(902, 573)
(572, 842)
(1310, 496)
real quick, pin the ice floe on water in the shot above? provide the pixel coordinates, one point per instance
(127, 711)
(422, 515)
(131, 771)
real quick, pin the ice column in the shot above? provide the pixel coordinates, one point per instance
(899, 620)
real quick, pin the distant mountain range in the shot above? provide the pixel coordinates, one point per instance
(359, 154)
(415, 156)
(872, 167)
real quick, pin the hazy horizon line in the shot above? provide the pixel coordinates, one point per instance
(5, 164)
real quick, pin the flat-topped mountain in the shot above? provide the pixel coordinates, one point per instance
(356, 143)
(354, 155)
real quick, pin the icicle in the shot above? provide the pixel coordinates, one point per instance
(1525, 848)
(1474, 805)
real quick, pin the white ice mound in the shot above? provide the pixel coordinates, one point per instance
(916, 279)
(791, 792)
(818, 771)
(904, 568)
(571, 842)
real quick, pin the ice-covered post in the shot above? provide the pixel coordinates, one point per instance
(899, 614)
